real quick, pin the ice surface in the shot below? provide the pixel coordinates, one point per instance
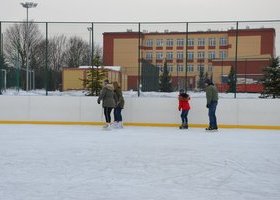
(44, 162)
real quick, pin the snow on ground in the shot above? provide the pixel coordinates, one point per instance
(12, 92)
(48, 162)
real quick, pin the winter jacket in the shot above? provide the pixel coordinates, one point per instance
(211, 94)
(184, 102)
(119, 98)
(107, 96)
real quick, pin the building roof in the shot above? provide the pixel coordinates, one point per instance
(113, 68)
(209, 31)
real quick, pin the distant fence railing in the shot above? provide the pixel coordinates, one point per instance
(34, 54)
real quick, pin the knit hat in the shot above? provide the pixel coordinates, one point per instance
(181, 91)
(208, 82)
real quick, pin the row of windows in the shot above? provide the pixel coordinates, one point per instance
(191, 55)
(223, 41)
(190, 68)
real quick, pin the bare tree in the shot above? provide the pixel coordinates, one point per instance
(57, 47)
(76, 52)
(21, 38)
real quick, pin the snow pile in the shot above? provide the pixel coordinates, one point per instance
(11, 92)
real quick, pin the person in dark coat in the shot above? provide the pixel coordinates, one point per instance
(119, 105)
(108, 101)
(212, 102)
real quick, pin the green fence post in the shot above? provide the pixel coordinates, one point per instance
(186, 57)
(139, 60)
(46, 67)
(236, 58)
(1, 57)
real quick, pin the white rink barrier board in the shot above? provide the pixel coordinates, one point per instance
(150, 111)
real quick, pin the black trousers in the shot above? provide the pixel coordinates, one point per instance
(107, 113)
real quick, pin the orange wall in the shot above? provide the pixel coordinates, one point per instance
(72, 78)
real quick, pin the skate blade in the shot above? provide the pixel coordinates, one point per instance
(211, 131)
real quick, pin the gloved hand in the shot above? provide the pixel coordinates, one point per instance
(98, 101)
(207, 105)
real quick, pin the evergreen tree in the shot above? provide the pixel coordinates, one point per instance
(231, 81)
(95, 76)
(201, 79)
(165, 80)
(271, 81)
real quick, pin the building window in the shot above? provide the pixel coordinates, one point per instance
(190, 68)
(169, 42)
(180, 55)
(159, 42)
(149, 56)
(169, 68)
(212, 42)
(180, 68)
(200, 55)
(149, 43)
(190, 55)
(223, 41)
(180, 42)
(190, 42)
(223, 54)
(200, 68)
(201, 42)
(169, 55)
(211, 55)
(160, 67)
(159, 55)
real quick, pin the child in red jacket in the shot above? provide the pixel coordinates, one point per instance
(184, 107)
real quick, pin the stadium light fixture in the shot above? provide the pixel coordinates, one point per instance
(27, 5)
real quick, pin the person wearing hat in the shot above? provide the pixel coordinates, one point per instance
(212, 102)
(184, 107)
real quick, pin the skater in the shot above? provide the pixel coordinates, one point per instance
(184, 107)
(108, 101)
(212, 102)
(119, 105)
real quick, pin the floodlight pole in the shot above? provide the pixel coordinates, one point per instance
(90, 45)
(27, 5)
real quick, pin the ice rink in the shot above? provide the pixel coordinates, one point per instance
(54, 162)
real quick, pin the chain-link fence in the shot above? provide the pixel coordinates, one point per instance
(35, 55)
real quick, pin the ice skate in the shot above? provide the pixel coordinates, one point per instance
(115, 124)
(184, 126)
(107, 126)
(212, 129)
(120, 125)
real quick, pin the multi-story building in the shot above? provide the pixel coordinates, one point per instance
(213, 52)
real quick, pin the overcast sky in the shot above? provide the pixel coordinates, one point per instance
(141, 10)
